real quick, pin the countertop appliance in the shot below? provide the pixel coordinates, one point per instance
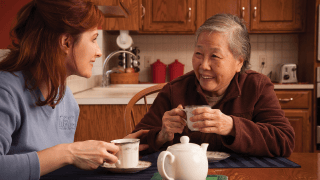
(286, 73)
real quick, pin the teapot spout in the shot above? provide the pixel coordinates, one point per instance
(204, 147)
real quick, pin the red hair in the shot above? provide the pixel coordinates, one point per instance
(35, 47)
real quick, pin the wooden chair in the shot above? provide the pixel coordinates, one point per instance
(129, 120)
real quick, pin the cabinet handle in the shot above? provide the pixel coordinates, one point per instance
(143, 11)
(242, 12)
(255, 12)
(286, 99)
(189, 14)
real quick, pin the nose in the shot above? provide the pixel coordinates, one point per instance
(205, 64)
(98, 52)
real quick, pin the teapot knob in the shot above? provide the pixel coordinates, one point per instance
(184, 139)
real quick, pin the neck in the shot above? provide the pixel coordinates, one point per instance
(44, 89)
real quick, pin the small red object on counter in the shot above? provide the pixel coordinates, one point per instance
(158, 72)
(175, 69)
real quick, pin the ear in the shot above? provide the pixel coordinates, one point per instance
(65, 43)
(239, 64)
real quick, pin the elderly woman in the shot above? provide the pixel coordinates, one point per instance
(245, 115)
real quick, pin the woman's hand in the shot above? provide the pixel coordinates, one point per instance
(137, 135)
(212, 121)
(172, 123)
(91, 154)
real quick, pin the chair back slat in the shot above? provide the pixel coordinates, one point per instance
(145, 103)
(129, 120)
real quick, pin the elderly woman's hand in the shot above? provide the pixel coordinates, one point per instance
(212, 121)
(172, 123)
(137, 135)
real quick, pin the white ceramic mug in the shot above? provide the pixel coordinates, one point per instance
(188, 110)
(128, 154)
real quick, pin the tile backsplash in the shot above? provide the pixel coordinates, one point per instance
(274, 48)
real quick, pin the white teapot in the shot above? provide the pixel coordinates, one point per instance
(185, 161)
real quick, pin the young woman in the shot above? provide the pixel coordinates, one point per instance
(52, 40)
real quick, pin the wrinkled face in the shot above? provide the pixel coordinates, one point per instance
(85, 52)
(213, 63)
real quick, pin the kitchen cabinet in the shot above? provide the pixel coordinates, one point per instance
(297, 106)
(104, 122)
(167, 16)
(208, 8)
(119, 14)
(278, 15)
(261, 16)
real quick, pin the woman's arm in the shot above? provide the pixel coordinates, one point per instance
(269, 132)
(86, 155)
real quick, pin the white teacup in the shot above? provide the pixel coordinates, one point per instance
(128, 154)
(188, 110)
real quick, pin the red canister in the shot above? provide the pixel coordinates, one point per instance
(158, 72)
(176, 69)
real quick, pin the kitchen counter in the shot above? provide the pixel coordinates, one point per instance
(122, 93)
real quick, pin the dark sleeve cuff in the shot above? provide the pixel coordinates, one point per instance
(230, 140)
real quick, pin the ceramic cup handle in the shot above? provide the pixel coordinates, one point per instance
(184, 118)
(118, 163)
(160, 164)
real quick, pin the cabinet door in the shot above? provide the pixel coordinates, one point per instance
(131, 22)
(278, 15)
(119, 14)
(208, 8)
(299, 120)
(168, 16)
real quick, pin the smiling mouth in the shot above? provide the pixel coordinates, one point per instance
(206, 77)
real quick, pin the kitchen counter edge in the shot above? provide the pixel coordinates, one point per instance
(84, 98)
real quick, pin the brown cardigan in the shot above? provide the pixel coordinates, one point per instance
(260, 125)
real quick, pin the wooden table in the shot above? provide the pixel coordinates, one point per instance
(309, 162)
(310, 170)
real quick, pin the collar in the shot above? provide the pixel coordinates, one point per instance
(233, 91)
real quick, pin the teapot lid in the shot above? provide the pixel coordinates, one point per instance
(185, 145)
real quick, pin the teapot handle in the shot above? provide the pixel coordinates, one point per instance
(160, 163)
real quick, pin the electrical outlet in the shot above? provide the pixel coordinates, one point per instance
(147, 61)
(262, 61)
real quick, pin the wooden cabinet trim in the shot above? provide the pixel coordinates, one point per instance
(296, 99)
(297, 24)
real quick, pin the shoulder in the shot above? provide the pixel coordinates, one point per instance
(11, 82)
(184, 80)
(254, 77)
(180, 85)
(254, 82)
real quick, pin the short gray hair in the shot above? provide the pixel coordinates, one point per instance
(236, 30)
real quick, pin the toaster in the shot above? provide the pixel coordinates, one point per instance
(286, 73)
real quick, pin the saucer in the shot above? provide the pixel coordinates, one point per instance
(214, 156)
(142, 165)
